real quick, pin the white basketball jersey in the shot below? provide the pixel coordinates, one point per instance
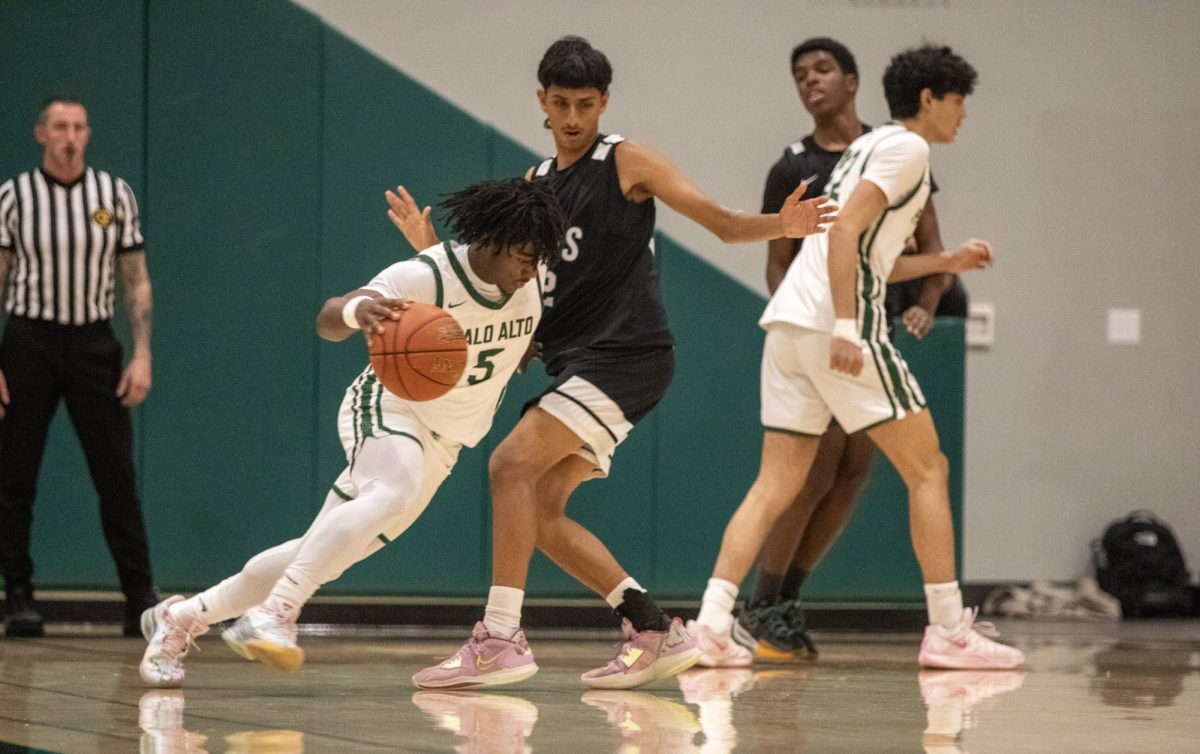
(498, 331)
(897, 161)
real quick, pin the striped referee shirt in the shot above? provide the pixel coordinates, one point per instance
(64, 239)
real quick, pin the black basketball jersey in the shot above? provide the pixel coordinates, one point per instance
(603, 295)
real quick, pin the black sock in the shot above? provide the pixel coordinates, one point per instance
(792, 582)
(767, 588)
(642, 612)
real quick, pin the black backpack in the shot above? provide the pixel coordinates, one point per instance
(1139, 562)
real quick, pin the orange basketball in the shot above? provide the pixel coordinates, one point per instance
(420, 356)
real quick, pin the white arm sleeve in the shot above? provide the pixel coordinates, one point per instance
(897, 165)
(410, 279)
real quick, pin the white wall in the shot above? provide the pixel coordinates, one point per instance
(1079, 161)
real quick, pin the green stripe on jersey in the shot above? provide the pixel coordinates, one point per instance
(437, 277)
(466, 281)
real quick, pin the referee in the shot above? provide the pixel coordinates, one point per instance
(66, 230)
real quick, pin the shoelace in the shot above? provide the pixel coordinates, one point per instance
(983, 628)
(772, 622)
(178, 640)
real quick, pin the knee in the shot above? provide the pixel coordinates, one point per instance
(934, 469)
(509, 466)
(547, 529)
(770, 499)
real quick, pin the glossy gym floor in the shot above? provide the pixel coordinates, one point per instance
(1088, 687)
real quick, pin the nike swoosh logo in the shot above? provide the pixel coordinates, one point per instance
(483, 664)
(460, 303)
(630, 656)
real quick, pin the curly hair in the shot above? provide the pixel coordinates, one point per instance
(512, 212)
(573, 63)
(838, 51)
(933, 67)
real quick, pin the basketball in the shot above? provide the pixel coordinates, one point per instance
(420, 356)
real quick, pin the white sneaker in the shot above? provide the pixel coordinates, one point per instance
(967, 646)
(718, 651)
(160, 716)
(162, 663)
(237, 635)
(269, 636)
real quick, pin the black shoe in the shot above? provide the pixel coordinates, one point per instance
(134, 607)
(24, 621)
(795, 618)
(768, 623)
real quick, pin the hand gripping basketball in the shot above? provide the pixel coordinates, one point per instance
(420, 356)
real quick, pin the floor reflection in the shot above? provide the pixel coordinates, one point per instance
(954, 697)
(160, 716)
(1107, 689)
(490, 723)
(1125, 678)
(714, 690)
(647, 723)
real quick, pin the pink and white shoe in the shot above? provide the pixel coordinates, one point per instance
(952, 695)
(719, 651)
(169, 642)
(646, 656)
(269, 635)
(967, 646)
(485, 660)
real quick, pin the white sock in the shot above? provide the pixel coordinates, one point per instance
(502, 616)
(944, 603)
(293, 589)
(203, 607)
(716, 610)
(617, 596)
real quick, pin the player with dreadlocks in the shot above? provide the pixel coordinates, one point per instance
(398, 452)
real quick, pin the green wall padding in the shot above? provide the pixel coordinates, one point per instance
(260, 143)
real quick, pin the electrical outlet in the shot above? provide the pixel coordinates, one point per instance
(1125, 326)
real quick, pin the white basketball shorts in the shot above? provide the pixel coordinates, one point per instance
(800, 393)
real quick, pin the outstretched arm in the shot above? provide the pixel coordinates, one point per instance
(644, 173)
(413, 222)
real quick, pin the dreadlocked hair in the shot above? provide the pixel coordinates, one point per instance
(512, 212)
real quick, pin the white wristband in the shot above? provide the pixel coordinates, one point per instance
(350, 311)
(847, 330)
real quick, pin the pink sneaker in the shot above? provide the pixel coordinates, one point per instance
(967, 646)
(169, 642)
(952, 695)
(719, 651)
(485, 660)
(646, 656)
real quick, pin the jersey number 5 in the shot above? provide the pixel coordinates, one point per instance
(486, 364)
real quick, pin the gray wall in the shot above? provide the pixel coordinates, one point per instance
(1079, 161)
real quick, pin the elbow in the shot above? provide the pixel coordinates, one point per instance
(329, 331)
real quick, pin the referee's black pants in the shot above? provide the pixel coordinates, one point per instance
(44, 362)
